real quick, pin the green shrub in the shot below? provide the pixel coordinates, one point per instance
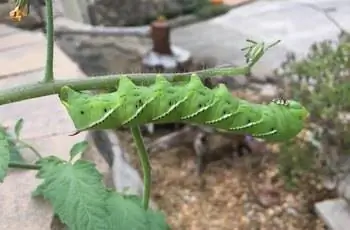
(210, 10)
(321, 82)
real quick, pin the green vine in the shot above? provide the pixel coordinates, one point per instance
(56, 172)
(143, 155)
(23, 166)
(29, 91)
(50, 45)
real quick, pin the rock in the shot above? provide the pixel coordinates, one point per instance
(268, 196)
(180, 59)
(268, 91)
(329, 182)
(335, 213)
(131, 12)
(106, 55)
(343, 188)
(292, 211)
(239, 81)
(232, 82)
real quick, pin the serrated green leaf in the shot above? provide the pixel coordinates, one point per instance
(4, 156)
(18, 127)
(78, 148)
(128, 213)
(156, 219)
(47, 165)
(15, 155)
(76, 193)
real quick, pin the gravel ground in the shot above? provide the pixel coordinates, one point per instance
(239, 193)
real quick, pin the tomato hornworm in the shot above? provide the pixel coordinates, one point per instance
(186, 102)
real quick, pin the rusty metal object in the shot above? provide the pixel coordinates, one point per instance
(164, 57)
(160, 34)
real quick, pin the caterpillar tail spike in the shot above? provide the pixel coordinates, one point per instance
(191, 103)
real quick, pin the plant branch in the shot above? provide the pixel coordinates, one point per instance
(146, 169)
(25, 145)
(50, 46)
(41, 89)
(23, 166)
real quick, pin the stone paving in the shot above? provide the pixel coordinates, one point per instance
(298, 23)
(46, 124)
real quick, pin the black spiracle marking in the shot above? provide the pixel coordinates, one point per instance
(227, 106)
(170, 91)
(174, 99)
(202, 92)
(170, 102)
(202, 102)
(139, 103)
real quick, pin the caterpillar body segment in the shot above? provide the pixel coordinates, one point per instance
(268, 127)
(293, 121)
(192, 103)
(226, 107)
(88, 109)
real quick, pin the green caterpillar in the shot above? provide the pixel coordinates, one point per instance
(189, 102)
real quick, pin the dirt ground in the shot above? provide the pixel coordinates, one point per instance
(235, 196)
(239, 193)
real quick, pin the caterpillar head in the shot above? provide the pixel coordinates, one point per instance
(291, 117)
(86, 111)
(297, 110)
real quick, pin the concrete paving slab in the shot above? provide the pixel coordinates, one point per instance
(44, 116)
(6, 31)
(18, 210)
(297, 25)
(46, 124)
(336, 213)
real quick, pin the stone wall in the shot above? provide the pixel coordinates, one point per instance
(136, 12)
(106, 55)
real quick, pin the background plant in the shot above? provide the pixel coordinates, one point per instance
(320, 81)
